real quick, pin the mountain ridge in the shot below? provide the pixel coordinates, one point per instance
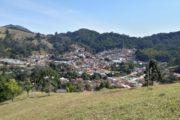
(160, 46)
(21, 28)
(17, 27)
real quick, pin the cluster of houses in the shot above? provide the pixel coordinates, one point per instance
(40, 60)
(118, 55)
(83, 61)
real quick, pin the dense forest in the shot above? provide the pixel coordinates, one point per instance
(164, 47)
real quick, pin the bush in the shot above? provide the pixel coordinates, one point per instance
(9, 88)
(73, 87)
(103, 84)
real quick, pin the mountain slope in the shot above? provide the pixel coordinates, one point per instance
(17, 27)
(16, 33)
(19, 42)
(164, 47)
(159, 102)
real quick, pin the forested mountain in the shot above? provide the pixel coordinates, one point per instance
(164, 47)
(17, 41)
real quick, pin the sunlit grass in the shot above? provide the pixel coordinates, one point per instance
(153, 103)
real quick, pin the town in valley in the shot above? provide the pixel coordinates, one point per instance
(102, 66)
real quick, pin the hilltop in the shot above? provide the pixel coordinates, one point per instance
(17, 27)
(16, 32)
(153, 103)
(19, 42)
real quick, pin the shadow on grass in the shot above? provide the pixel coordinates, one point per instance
(3, 103)
(162, 94)
(132, 88)
(10, 101)
(38, 96)
(20, 99)
(149, 88)
(115, 90)
(24, 98)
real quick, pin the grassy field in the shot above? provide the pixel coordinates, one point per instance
(153, 103)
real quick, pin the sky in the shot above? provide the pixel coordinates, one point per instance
(131, 17)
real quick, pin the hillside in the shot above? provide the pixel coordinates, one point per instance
(18, 42)
(16, 32)
(163, 47)
(17, 27)
(154, 103)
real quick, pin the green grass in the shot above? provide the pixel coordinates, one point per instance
(155, 103)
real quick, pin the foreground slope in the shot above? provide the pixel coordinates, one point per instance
(156, 103)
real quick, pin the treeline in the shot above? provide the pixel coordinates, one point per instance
(54, 77)
(15, 80)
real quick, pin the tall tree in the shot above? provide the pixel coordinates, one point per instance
(152, 73)
(27, 86)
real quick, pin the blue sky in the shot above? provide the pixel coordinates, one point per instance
(132, 17)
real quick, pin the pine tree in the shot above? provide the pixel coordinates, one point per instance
(152, 73)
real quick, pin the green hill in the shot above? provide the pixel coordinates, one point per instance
(155, 103)
(19, 42)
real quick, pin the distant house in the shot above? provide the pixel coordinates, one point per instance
(63, 80)
(11, 61)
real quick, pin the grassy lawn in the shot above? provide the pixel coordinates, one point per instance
(155, 103)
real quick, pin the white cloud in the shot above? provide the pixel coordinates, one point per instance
(41, 8)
